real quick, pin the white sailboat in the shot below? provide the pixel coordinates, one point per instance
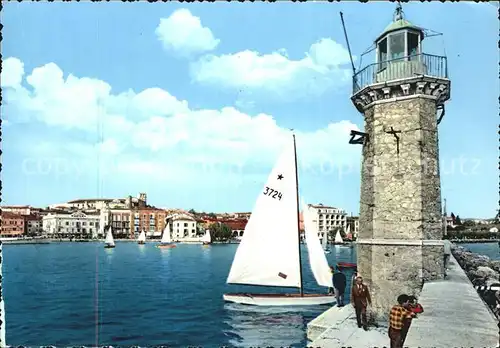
(142, 238)
(166, 239)
(206, 239)
(324, 243)
(109, 242)
(338, 238)
(269, 252)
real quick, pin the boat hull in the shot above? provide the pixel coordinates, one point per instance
(109, 246)
(166, 246)
(280, 299)
(141, 243)
(346, 265)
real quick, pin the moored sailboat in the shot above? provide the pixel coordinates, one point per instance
(142, 238)
(109, 242)
(269, 252)
(338, 239)
(324, 242)
(166, 239)
(206, 239)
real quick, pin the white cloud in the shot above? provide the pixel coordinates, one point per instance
(12, 72)
(167, 139)
(184, 34)
(275, 74)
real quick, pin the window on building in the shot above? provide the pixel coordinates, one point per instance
(397, 45)
(84, 223)
(84, 230)
(67, 223)
(185, 224)
(382, 54)
(412, 41)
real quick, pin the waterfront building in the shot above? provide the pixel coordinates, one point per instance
(101, 203)
(182, 225)
(151, 220)
(17, 209)
(120, 220)
(12, 225)
(244, 216)
(33, 225)
(324, 219)
(402, 98)
(237, 227)
(64, 224)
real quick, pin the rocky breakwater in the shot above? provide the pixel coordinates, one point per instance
(482, 272)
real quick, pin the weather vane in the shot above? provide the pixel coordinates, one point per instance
(398, 14)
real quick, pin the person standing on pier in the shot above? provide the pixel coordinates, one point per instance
(397, 317)
(416, 308)
(447, 255)
(339, 283)
(360, 299)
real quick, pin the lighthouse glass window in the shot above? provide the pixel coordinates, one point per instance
(412, 41)
(397, 45)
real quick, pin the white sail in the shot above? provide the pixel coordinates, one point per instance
(338, 238)
(268, 254)
(348, 229)
(142, 237)
(165, 238)
(109, 238)
(317, 258)
(206, 237)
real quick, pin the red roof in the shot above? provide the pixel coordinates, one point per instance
(238, 224)
(9, 215)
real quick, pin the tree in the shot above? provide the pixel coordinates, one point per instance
(457, 218)
(212, 215)
(192, 211)
(220, 232)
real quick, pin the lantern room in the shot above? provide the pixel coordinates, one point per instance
(400, 41)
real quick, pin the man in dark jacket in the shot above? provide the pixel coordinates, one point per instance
(339, 283)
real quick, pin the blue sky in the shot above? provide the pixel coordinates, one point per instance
(191, 102)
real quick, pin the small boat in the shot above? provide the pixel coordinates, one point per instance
(166, 239)
(324, 242)
(142, 238)
(338, 239)
(109, 242)
(346, 265)
(207, 238)
(269, 252)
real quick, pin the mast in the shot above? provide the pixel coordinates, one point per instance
(298, 215)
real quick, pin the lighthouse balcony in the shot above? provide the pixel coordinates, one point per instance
(400, 68)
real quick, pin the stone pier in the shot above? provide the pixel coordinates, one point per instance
(454, 316)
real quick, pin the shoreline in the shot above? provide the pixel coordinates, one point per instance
(482, 272)
(24, 241)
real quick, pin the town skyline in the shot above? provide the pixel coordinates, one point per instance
(133, 107)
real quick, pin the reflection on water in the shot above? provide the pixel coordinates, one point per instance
(254, 326)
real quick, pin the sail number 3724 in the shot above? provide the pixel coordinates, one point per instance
(272, 193)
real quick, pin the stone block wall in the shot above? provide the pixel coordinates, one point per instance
(396, 271)
(432, 262)
(400, 200)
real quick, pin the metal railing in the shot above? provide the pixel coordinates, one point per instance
(399, 68)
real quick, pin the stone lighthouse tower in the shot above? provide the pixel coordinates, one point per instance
(402, 98)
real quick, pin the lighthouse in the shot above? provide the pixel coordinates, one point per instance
(402, 98)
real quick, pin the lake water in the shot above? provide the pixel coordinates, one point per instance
(489, 249)
(82, 294)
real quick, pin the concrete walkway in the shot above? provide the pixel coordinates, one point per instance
(455, 316)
